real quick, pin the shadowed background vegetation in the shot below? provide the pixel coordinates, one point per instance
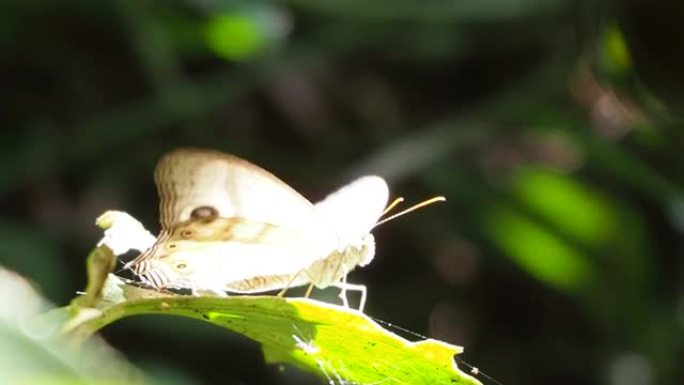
(552, 127)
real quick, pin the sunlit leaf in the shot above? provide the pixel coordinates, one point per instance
(332, 341)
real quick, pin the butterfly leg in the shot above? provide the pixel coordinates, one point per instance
(308, 290)
(343, 292)
(343, 296)
(344, 286)
(282, 292)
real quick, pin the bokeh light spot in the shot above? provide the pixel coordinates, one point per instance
(573, 208)
(234, 36)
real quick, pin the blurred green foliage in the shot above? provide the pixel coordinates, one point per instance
(540, 252)
(31, 356)
(233, 36)
(553, 128)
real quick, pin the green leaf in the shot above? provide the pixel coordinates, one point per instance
(333, 341)
(330, 340)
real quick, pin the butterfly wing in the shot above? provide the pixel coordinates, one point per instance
(192, 181)
(188, 179)
(354, 209)
(218, 266)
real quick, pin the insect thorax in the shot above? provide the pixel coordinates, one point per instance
(340, 262)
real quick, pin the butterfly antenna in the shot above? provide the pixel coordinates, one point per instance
(392, 205)
(412, 208)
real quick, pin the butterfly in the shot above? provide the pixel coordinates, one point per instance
(231, 226)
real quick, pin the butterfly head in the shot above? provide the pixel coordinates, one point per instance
(362, 252)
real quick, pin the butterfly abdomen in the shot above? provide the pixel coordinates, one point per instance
(262, 283)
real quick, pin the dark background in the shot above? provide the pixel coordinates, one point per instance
(553, 128)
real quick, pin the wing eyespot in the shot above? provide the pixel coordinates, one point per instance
(205, 213)
(171, 246)
(187, 233)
